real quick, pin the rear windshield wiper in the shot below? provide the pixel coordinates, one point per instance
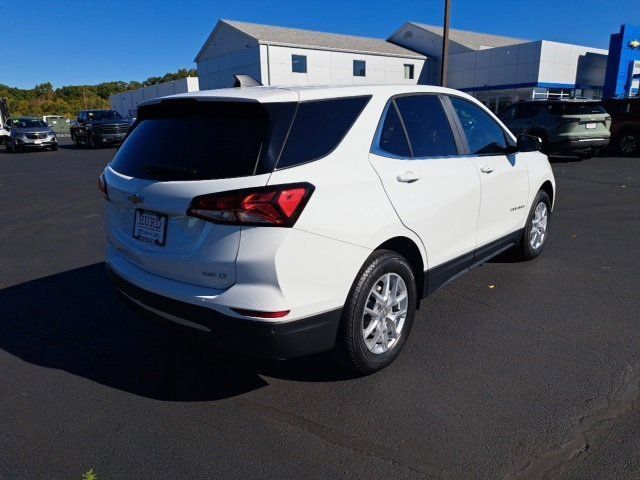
(169, 171)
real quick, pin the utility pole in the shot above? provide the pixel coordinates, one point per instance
(445, 43)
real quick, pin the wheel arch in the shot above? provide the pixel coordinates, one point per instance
(409, 250)
(547, 187)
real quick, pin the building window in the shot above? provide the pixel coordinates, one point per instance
(359, 68)
(408, 71)
(299, 63)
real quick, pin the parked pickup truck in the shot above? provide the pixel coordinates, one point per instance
(99, 127)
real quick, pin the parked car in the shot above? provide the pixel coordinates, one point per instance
(30, 132)
(231, 212)
(99, 127)
(625, 124)
(564, 126)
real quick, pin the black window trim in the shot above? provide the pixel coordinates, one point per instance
(460, 141)
(466, 150)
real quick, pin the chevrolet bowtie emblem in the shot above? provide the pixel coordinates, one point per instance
(135, 198)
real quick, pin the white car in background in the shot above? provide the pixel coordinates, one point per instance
(290, 221)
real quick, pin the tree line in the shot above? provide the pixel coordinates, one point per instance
(43, 99)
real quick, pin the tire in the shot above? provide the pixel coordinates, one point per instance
(54, 148)
(586, 155)
(530, 245)
(9, 146)
(368, 356)
(628, 142)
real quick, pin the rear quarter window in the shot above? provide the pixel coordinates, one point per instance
(318, 128)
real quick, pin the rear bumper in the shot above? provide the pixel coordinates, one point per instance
(279, 340)
(579, 144)
(30, 144)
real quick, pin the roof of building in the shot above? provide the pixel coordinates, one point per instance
(472, 40)
(294, 37)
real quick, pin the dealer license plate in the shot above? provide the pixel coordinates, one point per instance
(37, 142)
(150, 227)
(591, 125)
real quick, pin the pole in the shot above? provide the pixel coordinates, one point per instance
(445, 43)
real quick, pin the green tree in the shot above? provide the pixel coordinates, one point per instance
(67, 100)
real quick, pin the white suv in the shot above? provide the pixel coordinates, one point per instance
(290, 221)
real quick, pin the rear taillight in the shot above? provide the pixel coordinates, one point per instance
(277, 206)
(102, 185)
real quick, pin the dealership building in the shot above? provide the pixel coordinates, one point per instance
(289, 56)
(498, 70)
(126, 103)
(502, 70)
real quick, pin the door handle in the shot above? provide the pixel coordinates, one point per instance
(486, 169)
(408, 177)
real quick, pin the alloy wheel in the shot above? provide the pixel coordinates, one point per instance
(628, 144)
(539, 222)
(385, 313)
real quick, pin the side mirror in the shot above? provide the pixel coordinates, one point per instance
(529, 143)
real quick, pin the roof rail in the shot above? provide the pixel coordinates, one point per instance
(245, 81)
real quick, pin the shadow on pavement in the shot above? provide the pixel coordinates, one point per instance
(82, 146)
(72, 321)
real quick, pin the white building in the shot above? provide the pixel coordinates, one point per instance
(501, 70)
(126, 103)
(287, 56)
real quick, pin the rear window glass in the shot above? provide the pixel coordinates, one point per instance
(577, 108)
(319, 127)
(204, 140)
(519, 111)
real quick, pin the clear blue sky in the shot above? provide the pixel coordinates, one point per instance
(73, 42)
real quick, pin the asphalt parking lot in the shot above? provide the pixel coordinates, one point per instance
(517, 370)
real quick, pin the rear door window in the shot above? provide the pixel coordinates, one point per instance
(427, 126)
(319, 127)
(484, 135)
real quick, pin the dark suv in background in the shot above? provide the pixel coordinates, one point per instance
(625, 124)
(99, 127)
(564, 126)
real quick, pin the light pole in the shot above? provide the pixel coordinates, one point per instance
(445, 43)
